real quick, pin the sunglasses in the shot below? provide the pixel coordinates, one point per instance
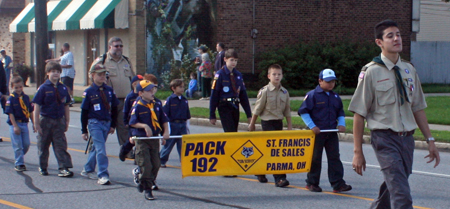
(117, 46)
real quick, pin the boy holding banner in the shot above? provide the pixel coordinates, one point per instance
(148, 119)
(323, 109)
(272, 105)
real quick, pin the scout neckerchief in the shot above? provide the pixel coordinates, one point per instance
(150, 106)
(57, 96)
(104, 100)
(398, 77)
(23, 106)
(233, 81)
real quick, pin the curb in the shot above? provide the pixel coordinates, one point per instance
(346, 137)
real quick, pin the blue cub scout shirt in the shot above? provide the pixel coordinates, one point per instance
(128, 104)
(177, 109)
(324, 109)
(222, 89)
(92, 102)
(142, 114)
(13, 107)
(46, 99)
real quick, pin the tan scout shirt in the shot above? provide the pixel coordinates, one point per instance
(377, 98)
(120, 74)
(272, 103)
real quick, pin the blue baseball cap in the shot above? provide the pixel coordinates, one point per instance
(137, 78)
(145, 85)
(327, 75)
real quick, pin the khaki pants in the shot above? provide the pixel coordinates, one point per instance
(147, 158)
(122, 131)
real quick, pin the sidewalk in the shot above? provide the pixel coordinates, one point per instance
(78, 91)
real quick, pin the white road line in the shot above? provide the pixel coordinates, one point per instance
(414, 171)
(72, 126)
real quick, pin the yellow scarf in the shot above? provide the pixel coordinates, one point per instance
(24, 108)
(155, 122)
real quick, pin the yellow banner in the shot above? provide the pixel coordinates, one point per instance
(247, 153)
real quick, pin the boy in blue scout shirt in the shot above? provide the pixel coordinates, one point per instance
(148, 119)
(273, 105)
(322, 109)
(128, 104)
(52, 117)
(228, 90)
(176, 108)
(19, 110)
(99, 116)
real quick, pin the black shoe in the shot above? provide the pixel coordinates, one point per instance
(314, 188)
(262, 178)
(1, 139)
(230, 176)
(122, 156)
(282, 183)
(154, 186)
(140, 188)
(343, 188)
(70, 105)
(43, 172)
(20, 168)
(65, 173)
(148, 194)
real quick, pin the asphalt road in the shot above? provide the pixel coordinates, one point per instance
(430, 186)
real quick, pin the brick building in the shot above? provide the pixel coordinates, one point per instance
(281, 23)
(13, 43)
(87, 26)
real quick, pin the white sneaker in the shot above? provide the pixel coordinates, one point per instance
(90, 175)
(103, 181)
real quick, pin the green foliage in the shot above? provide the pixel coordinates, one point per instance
(303, 62)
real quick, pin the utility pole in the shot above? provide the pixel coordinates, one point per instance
(41, 40)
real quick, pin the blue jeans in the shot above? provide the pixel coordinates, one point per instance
(98, 130)
(189, 93)
(175, 129)
(20, 143)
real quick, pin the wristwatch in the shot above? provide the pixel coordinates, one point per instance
(430, 139)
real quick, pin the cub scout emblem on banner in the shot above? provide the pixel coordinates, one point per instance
(247, 153)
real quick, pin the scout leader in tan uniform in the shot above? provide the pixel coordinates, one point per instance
(389, 96)
(272, 105)
(120, 74)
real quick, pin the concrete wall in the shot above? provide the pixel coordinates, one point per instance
(430, 58)
(77, 41)
(434, 21)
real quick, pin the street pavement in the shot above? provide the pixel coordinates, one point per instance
(30, 190)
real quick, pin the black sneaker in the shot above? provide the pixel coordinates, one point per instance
(43, 172)
(1, 139)
(343, 188)
(314, 188)
(122, 156)
(20, 168)
(282, 183)
(154, 186)
(148, 195)
(262, 178)
(65, 173)
(140, 188)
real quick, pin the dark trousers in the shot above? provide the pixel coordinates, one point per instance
(229, 116)
(147, 158)
(395, 155)
(206, 87)
(273, 125)
(121, 129)
(127, 146)
(330, 142)
(53, 132)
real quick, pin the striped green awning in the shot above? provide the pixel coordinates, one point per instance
(75, 15)
(20, 23)
(54, 8)
(69, 19)
(100, 15)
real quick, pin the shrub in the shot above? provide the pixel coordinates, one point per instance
(303, 62)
